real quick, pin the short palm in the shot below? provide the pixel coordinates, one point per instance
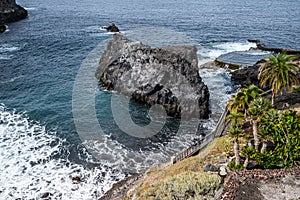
(279, 73)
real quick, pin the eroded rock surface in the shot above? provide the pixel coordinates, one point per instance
(167, 76)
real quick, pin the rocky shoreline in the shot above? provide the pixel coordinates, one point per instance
(10, 12)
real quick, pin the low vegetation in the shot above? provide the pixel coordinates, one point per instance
(273, 142)
(185, 179)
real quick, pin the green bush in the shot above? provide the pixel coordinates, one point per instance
(296, 88)
(285, 133)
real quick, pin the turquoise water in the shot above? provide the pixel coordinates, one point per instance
(41, 56)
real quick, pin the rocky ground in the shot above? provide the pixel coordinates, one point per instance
(278, 184)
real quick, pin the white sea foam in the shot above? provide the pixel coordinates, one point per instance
(5, 57)
(99, 31)
(218, 83)
(8, 48)
(11, 79)
(28, 169)
(30, 8)
(222, 48)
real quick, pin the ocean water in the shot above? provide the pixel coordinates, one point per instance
(41, 58)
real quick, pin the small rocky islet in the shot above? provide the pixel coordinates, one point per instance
(167, 76)
(10, 11)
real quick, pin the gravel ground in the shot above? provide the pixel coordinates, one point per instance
(279, 184)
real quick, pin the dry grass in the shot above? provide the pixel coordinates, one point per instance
(183, 176)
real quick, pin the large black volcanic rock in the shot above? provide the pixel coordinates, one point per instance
(167, 76)
(11, 12)
(246, 76)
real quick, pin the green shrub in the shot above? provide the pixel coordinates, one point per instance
(232, 166)
(296, 88)
(285, 133)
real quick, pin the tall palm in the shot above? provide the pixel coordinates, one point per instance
(279, 73)
(235, 132)
(257, 108)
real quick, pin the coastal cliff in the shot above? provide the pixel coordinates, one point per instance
(167, 76)
(10, 11)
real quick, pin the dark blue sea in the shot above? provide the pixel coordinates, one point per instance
(45, 58)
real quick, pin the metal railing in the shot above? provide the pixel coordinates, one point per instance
(195, 148)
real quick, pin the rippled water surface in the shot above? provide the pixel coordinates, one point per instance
(40, 57)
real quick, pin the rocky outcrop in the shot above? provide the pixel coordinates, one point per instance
(227, 65)
(246, 76)
(2, 27)
(249, 75)
(11, 12)
(167, 76)
(263, 47)
(112, 28)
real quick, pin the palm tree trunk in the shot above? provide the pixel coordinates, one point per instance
(264, 146)
(255, 135)
(273, 98)
(236, 151)
(246, 162)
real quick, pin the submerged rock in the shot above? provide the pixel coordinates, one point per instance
(112, 28)
(11, 12)
(167, 76)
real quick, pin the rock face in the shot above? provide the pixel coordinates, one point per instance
(246, 76)
(167, 76)
(11, 12)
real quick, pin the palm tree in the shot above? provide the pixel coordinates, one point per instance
(235, 132)
(234, 118)
(279, 73)
(249, 94)
(248, 153)
(257, 108)
(268, 122)
(242, 100)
